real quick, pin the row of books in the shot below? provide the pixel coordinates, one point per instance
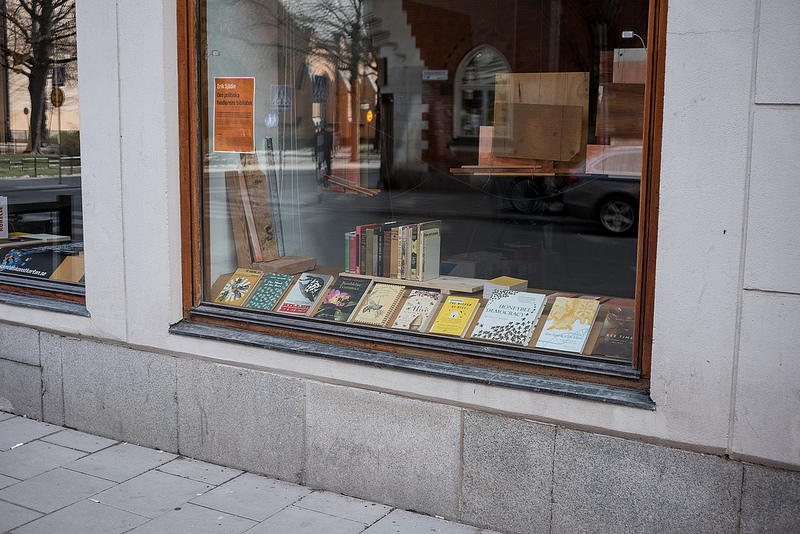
(509, 316)
(395, 250)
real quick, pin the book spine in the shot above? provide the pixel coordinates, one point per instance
(393, 253)
(414, 254)
(353, 252)
(347, 252)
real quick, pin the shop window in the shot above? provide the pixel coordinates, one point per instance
(336, 208)
(41, 231)
(475, 79)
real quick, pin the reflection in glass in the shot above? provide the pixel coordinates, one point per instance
(517, 132)
(41, 230)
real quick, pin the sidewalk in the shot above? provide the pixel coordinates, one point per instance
(56, 480)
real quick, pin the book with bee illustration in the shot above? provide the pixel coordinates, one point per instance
(510, 317)
(305, 293)
(343, 298)
(239, 287)
(417, 310)
(380, 304)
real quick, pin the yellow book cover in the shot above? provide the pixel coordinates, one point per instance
(455, 315)
(568, 324)
(239, 287)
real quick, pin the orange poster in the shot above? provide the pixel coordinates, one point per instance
(233, 114)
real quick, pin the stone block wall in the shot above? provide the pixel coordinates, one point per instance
(492, 471)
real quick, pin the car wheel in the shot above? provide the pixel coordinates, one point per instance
(618, 215)
(526, 196)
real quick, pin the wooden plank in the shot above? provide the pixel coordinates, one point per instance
(547, 89)
(287, 265)
(486, 156)
(630, 65)
(620, 110)
(237, 217)
(71, 269)
(540, 131)
(259, 203)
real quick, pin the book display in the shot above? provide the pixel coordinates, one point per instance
(510, 317)
(616, 335)
(269, 291)
(455, 316)
(568, 324)
(417, 311)
(306, 292)
(379, 305)
(239, 287)
(343, 298)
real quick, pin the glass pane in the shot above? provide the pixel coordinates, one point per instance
(41, 229)
(331, 155)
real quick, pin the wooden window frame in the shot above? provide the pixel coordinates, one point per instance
(403, 344)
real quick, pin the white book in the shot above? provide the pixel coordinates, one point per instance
(510, 317)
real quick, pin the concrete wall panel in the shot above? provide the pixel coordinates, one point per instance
(21, 388)
(383, 447)
(605, 484)
(243, 418)
(19, 344)
(770, 501)
(507, 465)
(120, 393)
(52, 379)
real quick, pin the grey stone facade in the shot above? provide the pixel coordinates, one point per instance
(493, 471)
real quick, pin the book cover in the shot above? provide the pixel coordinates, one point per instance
(417, 310)
(269, 291)
(305, 293)
(510, 317)
(380, 304)
(455, 315)
(616, 335)
(343, 298)
(239, 287)
(568, 324)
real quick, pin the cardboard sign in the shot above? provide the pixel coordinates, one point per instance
(234, 100)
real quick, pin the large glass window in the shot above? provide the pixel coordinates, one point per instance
(335, 195)
(41, 230)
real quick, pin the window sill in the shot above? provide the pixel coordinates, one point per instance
(39, 302)
(457, 371)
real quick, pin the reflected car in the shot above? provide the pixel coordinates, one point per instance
(609, 190)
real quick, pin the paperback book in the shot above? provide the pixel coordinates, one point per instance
(568, 324)
(239, 287)
(269, 291)
(417, 310)
(503, 282)
(455, 316)
(305, 293)
(380, 304)
(343, 298)
(510, 317)
(616, 335)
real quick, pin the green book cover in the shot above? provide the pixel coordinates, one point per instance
(269, 291)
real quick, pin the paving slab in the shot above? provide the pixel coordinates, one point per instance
(365, 512)
(12, 516)
(85, 517)
(200, 471)
(152, 493)
(7, 481)
(252, 496)
(121, 462)
(35, 458)
(403, 521)
(302, 521)
(81, 441)
(53, 490)
(192, 519)
(15, 430)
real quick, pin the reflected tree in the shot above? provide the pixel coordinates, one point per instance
(39, 34)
